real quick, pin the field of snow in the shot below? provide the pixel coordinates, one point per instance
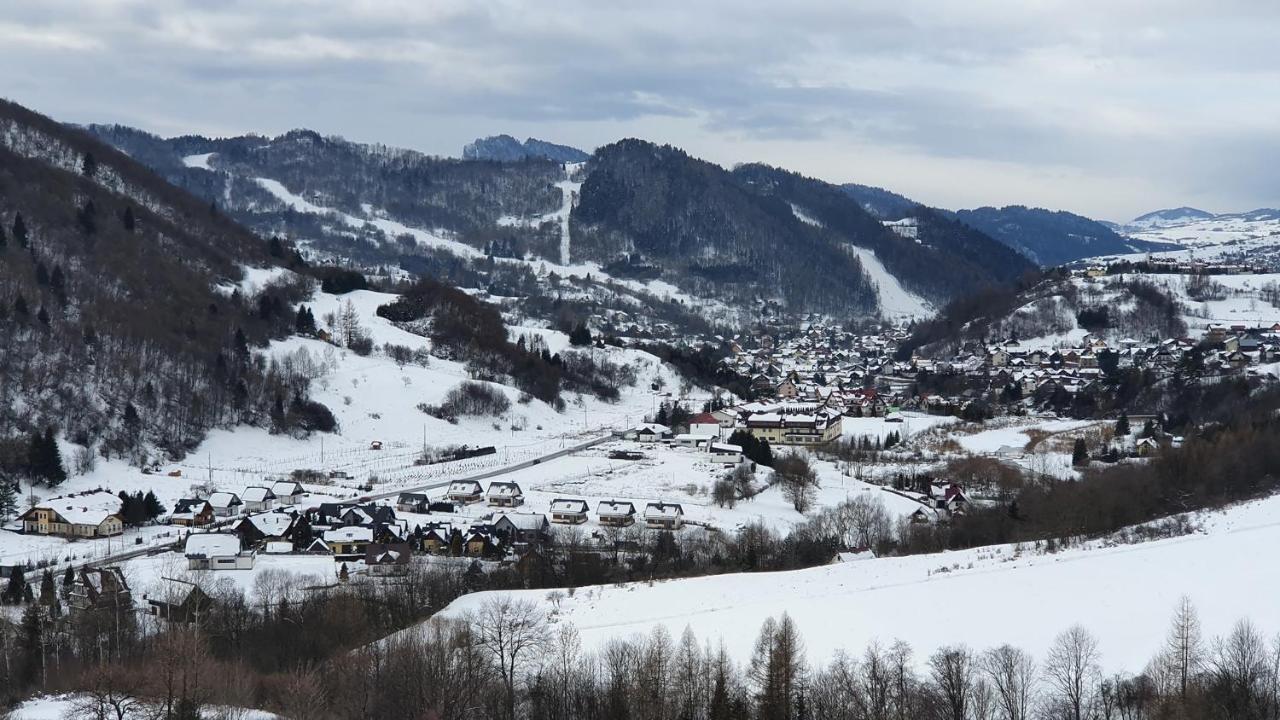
(879, 427)
(1124, 594)
(63, 707)
(1237, 237)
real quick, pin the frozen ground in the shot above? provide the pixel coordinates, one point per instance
(1124, 594)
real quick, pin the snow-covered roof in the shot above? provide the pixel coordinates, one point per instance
(614, 508)
(565, 505)
(224, 499)
(464, 486)
(525, 521)
(663, 510)
(85, 509)
(726, 448)
(350, 533)
(287, 487)
(210, 545)
(504, 489)
(271, 524)
(257, 494)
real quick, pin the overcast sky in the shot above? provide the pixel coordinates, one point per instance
(1107, 108)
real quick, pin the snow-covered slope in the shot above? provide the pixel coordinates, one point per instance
(1251, 237)
(1124, 594)
(896, 302)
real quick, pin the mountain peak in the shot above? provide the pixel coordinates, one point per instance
(1170, 216)
(505, 148)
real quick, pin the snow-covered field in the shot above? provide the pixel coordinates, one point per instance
(1124, 594)
(63, 707)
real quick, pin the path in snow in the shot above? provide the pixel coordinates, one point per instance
(568, 188)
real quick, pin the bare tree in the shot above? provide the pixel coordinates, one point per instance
(509, 631)
(952, 672)
(1184, 653)
(1012, 674)
(1071, 669)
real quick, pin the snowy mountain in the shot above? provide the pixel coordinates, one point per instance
(1168, 218)
(1046, 237)
(504, 148)
(640, 226)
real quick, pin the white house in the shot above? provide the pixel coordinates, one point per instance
(693, 440)
(663, 516)
(505, 494)
(565, 511)
(257, 499)
(705, 424)
(616, 513)
(464, 491)
(216, 551)
(225, 504)
(288, 492)
(725, 453)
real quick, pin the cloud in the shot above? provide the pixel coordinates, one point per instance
(1108, 107)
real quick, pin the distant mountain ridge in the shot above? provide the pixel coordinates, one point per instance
(1168, 217)
(1046, 237)
(504, 148)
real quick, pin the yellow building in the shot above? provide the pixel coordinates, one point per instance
(92, 514)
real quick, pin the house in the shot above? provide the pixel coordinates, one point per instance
(704, 424)
(692, 440)
(505, 494)
(257, 499)
(480, 541)
(225, 504)
(102, 589)
(413, 502)
(522, 528)
(288, 492)
(194, 603)
(652, 432)
(191, 512)
(464, 491)
(86, 515)
(615, 513)
(256, 531)
(436, 538)
(348, 542)
(725, 453)
(216, 551)
(1146, 447)
(388, 558)
(568, 512)
(663, 516)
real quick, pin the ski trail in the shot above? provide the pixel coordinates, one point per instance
(568, 188)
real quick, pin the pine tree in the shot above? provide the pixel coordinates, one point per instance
(4, 241)
(48, 462)
(43, 316)
(1122, 425)
(131, 420)
(16, 588)
(1080, 453)
(580, 335)
(31, 660)
(89, 166)
(152, 505)
(127, 219)
(20, 230)
(8, 498)
(48, 590)
(343, 574)
(42, 274)
(275, 248)
(68, 581)
(58, 282)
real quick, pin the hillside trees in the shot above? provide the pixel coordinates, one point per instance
(125, 316)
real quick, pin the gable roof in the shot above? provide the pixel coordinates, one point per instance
(209, 545)
(90, 508)
(224, 500)
(567, 505)
(614, 508)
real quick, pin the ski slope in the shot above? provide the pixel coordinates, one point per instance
(896, 302)
(1124, 594)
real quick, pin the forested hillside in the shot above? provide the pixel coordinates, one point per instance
(1049, 237)
(946, 260)
(119, 314)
